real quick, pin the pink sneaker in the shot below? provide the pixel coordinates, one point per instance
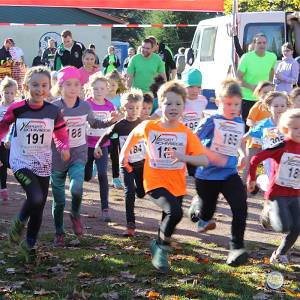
(4, 194)
(77, 225)
(59, 240)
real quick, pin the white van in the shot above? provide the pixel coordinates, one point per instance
(213, 48)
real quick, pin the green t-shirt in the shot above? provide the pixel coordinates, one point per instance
(144, 70)
(255, 68)
(111, 66)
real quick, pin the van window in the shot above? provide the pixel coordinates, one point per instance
(208, 44)
(273, 31)
(195, 44)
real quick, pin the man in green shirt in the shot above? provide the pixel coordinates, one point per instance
(255, 66)
(144, 67)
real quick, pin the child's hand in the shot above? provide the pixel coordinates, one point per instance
(7, 145)
(251, 186)
(65, 155)
(175, 155)
(242, 163)
(97, 152)
(116, 116)
(124, 163)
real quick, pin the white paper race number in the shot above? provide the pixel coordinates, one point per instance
(76, 128)
(271, 138)
(159, 145)
(289, 171)
(137, 153)
(227, 137)
(191, 119)
(34, 135)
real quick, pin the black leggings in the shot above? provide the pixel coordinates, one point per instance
(114, 156)
(172, 212)
(4, 158)
(246, 106)
(235, 194)
(36, 188)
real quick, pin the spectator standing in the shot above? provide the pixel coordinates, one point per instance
(111, 61)
(37, 61)
(131, 53)
(179, 60)
(49, 54)
(97, 62)
(4, 51)
(166, 56)
(69, 53)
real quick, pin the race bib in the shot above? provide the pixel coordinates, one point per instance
(159, 145)
(137, 153)
(76, 128)
(34, 135)
(289, 171)
(271, 138)
(227, 137)
(98, 132)
(191, 120)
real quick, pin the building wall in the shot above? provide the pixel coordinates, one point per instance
(28, 37)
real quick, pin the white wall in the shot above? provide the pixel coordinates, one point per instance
(27, 37)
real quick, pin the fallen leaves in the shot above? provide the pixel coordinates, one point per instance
(153, 295)
(292, 293)
(83, 275)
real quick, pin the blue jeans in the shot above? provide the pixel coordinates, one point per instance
(285, 217)
(101, 164)
(58, 181)
(133, 184)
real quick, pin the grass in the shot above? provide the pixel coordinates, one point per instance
(112, 267)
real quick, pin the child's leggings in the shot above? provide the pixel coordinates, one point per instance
(285, 217)
(58, 181)
(4, 158)
(36, 189)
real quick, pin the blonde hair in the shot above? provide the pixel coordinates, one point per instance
(260, 86)
(98, 76)
(133, 94)
(294, 94)
(288, 116)
(171, 86)
(114, 75)
(272, 95)
(36, 70)
(229, 88)
(7, 82)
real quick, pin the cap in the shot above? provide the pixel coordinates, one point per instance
(67, 73)
(191, 77)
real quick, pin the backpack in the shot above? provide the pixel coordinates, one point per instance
(180, 63)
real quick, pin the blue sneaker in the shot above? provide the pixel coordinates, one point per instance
(203, 226)
(160, 256)
(117, 184)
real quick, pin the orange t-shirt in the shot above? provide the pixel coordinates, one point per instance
(159, 172)
(257, 113)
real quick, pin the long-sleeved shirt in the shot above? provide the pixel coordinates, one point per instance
(35, 127)
(288, 69)
(285, 170)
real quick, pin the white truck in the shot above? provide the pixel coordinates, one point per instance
(213, 51)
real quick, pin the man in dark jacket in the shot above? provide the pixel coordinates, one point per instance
(4, 51)
(69, 53)
(111, 61)
(49, 53)
(167, 58)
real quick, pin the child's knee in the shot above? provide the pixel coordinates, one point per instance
(76, 188)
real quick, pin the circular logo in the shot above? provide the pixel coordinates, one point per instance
(275, 280)
(76, 54)
(43, 42)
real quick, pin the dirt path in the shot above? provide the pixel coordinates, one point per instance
(147, 216)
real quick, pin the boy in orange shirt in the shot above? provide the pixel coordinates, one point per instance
(169, 146)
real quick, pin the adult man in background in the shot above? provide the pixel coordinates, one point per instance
(49, 54)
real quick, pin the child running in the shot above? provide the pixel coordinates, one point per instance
(169, 145)
(8, 91)
(131, 103)
(284, 189)
(294, 97)
(147, 106)
(89, 68)
(98, 86)
(223, 133)
(36, 123)
(77, 114)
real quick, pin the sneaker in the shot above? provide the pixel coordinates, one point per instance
(59, 240)
(28, 253)
(160, 256)
(278, 259)
(237, 257)
(77, 225)
(194, 210)
(16, 231)
(203, 226)
(129, 232)
(105, 215)
(117, 184)
(4, 194)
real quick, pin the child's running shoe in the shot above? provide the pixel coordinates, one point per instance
(203, 226)
(4, 194)
(105, 215)
(130, 231)
(117, 184)
(160, 256)
(28, 253)
(279, 259)
(77, 225)
(59, 240)
(16, 231)
(237, 257)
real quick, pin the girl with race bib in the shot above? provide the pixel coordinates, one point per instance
(77, 114)
(36, 123)
(131, 103)
(223, 133)
(98, 88)
(8, 91)
(169, 146)
(284, 190)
